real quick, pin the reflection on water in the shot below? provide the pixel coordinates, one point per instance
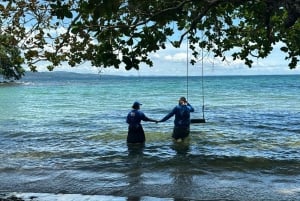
(179, 182)
(182, 179)
(181, 148)
(135, 150)
(135, 171)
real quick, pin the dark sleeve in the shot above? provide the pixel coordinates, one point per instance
(168, 116)
(145, 118)
(190, 108)
(127, 118)
(149, 119)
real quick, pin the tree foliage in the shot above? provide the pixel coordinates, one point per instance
(10, 59)
(111, 32)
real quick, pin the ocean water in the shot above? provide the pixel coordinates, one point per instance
(66, 133)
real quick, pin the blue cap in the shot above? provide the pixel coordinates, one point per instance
(136, 104)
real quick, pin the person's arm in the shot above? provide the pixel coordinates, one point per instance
(190, 107)
(145, 118)
(151, 120)
(168, 116)
(127, 119)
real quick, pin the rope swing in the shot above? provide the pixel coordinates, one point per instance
(198, 120)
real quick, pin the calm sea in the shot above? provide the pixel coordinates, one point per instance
(66, 133)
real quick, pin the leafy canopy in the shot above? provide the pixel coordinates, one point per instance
(111, 32)
(10, 59)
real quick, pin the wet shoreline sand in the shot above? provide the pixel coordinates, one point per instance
(226, 186)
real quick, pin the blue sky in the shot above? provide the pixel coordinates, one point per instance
(173, 62)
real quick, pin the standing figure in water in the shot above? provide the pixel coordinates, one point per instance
(135, 129)
(182, 120)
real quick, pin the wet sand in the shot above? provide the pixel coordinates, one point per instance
(229, 186)
(288, 195)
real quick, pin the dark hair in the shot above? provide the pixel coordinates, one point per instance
(183, 99)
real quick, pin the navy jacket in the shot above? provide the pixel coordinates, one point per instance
(135, 117)
(182, 115)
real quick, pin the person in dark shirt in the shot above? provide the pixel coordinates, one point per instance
(135, 129)
(182, 120)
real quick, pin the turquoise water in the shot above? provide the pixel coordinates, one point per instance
(67, 133)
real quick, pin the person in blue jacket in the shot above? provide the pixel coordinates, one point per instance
(182, 120)
(135, 129)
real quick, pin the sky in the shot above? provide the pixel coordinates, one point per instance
(173, 62)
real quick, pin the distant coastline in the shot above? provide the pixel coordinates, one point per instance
(75, 75)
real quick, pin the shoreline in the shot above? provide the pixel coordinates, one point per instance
(226, 194)
(213, 186)
(73, 197)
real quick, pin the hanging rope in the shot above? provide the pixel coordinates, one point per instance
(202, 80)
(187, 68)
(202, 83)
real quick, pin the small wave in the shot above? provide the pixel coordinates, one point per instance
(230, 163)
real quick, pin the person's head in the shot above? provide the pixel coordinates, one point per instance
(182, 100)
(136, 105)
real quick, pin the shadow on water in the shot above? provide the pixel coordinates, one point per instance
(181, 148)
(135, 171)
(140, 186)
(135, 150)
(182, 179)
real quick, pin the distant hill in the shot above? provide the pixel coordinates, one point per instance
(61, 75)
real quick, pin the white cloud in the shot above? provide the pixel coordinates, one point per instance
(178, 57)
